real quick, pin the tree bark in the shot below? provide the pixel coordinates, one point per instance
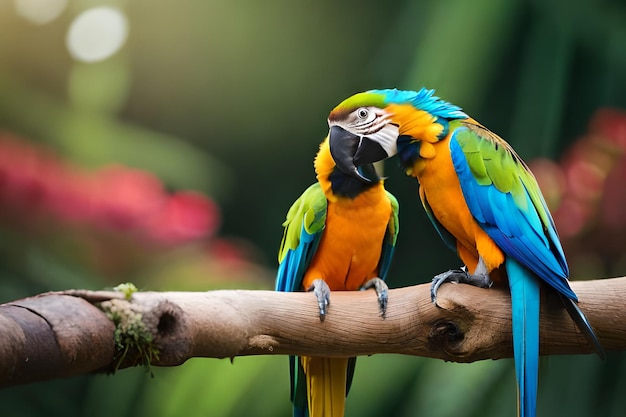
(60, 334)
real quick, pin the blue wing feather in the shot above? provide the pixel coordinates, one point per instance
(291, 270)
(515, 227)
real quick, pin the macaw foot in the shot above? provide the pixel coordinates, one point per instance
(322, 293)
(382, 291)
(459, 276)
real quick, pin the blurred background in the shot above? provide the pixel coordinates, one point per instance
(163, 142)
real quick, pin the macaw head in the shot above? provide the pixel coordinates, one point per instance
(355, 145)
(382, 123)
(360, 136)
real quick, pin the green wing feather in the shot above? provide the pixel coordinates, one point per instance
(394, 223)
(493, 161)
(304, 225)
(389, 243)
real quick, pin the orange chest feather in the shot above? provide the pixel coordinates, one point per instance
(439, 184)
(351, 245)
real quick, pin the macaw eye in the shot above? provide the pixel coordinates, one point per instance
(362, 113)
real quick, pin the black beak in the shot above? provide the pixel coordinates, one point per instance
(351, 151)
(369, 152)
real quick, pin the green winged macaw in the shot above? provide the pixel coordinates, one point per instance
(485, 204)
(339, 235)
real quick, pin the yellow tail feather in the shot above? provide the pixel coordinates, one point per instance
(326, 385)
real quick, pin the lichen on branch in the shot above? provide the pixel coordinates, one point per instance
(134, 339)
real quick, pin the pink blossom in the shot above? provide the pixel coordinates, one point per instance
(115, 198)
(185, 216)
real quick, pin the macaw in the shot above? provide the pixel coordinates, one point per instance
(485, 204)
(339, 234)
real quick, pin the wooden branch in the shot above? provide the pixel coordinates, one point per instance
(56, 335)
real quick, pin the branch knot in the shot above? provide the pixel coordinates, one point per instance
(445, 335)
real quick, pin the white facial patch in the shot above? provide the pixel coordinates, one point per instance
(374, 123)
(386, 137)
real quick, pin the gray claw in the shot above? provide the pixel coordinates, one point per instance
(453, 275)
(322, 293)
(382, 291)
(457, 276)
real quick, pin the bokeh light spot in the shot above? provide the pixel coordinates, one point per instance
(40, 12)
(96, 34)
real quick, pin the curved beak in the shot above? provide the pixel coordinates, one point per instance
(369, 151)
(351, 152)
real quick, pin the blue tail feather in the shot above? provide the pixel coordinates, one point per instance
(525, 315)
(583, 324)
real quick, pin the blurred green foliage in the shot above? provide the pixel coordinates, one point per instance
(230, 99)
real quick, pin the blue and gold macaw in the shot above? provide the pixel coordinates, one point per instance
(486, 205)
(339, 235)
